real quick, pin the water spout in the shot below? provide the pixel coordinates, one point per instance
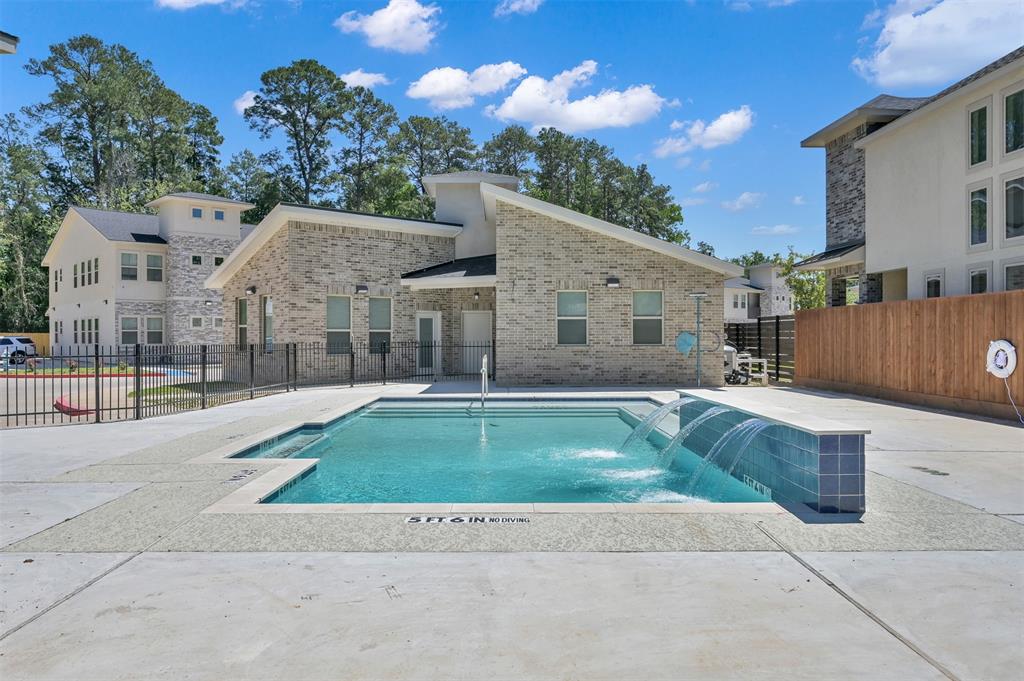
(743, 432)
(667, 454)
(644, 428)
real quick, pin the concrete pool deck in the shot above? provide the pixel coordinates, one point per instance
(111, 569)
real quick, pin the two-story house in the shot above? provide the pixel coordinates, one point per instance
(125, 278)
(925, 196)
(764, 292)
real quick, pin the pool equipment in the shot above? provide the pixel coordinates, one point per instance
(734, 373)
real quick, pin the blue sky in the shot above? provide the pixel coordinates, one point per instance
(714, 96)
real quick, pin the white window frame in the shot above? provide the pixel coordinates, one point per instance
(735, 301)
(585, 318)
(192, 322)
(985, 103)
(986, 245)
(935, 274)
(328, 330)
(217, 322)
(163, 329)
(120, 260)
(391, 322)
(218, 215)
(163, 265)
(74, 275)
(267, 341)
(1003, 94)
(138, 329)
(975, 267)
(88, 268)
(660, 317)
(1003, 265)
(74, 326)
(96, 271)
(239, 326)
(1003, 180)
(192, 212)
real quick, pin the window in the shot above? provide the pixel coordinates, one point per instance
(339, 324)
(218, 261)
(195, 322)
(96, 271)
(218, 322)
(197, 260)
(1013, 122)
(89, 329)
(1013, 277)
(56, 282)
(647, 317)
(267, 321)
(155, 330)
(154, 267)
(735, 301)
(571, 317)
(380, 324)
(74, 325)
(978, 216)
(978, 136)
(1014, 207)
(88, 267)
(75, 276)
(242, 321)
(129, 266)
(978, 279)
(129, 330)
(197, 213)
(743, 301)
(218, 215)
(932, 285)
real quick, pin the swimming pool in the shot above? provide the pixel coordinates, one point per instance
(525, 452)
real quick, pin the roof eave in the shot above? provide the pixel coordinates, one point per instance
(850, 121)
(444, 282)
(244, 206)
(849, 258)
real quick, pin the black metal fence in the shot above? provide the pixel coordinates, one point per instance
(770, 338)
(85, 384)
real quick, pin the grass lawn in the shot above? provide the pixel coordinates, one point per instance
(20, 370)
(189, 393)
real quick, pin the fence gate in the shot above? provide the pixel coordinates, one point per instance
(770, 338)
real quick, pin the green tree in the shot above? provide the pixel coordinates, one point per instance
(369, 128)
(258, 180)
(808, 287)
(509, 152)
(705, 248)
(308, 103)
(429, 146)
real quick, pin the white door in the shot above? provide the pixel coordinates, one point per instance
(476, 341)
(428, 336)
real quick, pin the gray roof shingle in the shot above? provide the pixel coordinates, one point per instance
(118, 226)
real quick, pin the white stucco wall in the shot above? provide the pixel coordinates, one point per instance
(917, 182)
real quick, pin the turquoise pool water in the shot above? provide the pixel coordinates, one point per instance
(398, 453)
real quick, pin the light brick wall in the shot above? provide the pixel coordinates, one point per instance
(539, 256)
(186, 293)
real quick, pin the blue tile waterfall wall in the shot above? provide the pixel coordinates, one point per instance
(825, 472)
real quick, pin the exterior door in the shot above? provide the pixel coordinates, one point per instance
(428, 338)
(476, 341)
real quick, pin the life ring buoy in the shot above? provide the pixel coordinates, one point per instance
(1001, 359)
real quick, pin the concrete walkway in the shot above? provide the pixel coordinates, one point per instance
(110, 570)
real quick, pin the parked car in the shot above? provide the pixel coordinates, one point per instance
(17, 348)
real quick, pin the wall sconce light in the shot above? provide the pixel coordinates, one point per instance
(105, 301)
(362, 288)
(79, 305)
(209, 303)
(249, 290)
(476, 295)
(612, 282)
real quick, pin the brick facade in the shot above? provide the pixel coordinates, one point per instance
(539, 256)
(187, 297)
(844, 189)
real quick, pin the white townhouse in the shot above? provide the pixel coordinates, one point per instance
(925, 196)
(125, 278)
(764, 292)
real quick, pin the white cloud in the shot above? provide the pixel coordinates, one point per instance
(360, 78)
(774, 230)
(743, 201)
(933, 42)
(247, 99)
(726, 129)
(403, 26)
(506, 7)
(450, 88)
(677, 125)
(693, 201)
(799, 200)
(705, 165)
(546, 103)
(705, 187)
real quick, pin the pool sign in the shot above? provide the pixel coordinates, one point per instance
(465, 519)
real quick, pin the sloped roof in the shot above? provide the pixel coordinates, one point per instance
(742, 283)
(119, 226)
(830, 254)
(199, 196)
(477, 266)
(430, 182)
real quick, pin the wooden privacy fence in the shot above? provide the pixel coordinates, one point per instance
(770, 338)
(929, 352)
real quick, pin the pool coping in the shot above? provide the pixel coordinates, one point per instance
(247, 498)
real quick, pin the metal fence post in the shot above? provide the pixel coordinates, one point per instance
(778, 353)
(760, 352)
(202, 373)
(384, 362)
(96, 367)
(252, 371)
(138, 382)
